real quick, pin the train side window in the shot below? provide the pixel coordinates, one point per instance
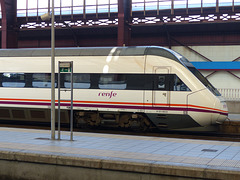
(112, 81)
(13, 80)
(28, 79)
(136, 82)
(42, 80)
(80, 81)
(1, 78)
(179, 85)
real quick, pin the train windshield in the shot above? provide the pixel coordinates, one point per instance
(204, 81)
(189, 65)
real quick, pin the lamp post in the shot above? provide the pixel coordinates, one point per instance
(47, 17)
(53, 75)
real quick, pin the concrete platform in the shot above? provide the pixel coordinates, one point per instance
(30, 154)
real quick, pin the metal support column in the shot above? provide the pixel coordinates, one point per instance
(124, 28)
(9, 24)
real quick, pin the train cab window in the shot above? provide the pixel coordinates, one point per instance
(42, 80)
(179, 85)
(13, 80)
(204, 81)
(112, 81)
(80, 81)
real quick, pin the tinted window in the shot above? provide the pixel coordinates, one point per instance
(13, 80)
(162, 82)
(138, 82)
(80, 81)
(159, 82)
(42, 80)
(112, 81)
(204, 81)
(179, 85)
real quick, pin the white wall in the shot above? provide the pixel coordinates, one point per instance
(214, 53)
(220, 79)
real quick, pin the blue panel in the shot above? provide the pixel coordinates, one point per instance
(217, 65)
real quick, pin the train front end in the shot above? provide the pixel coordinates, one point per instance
(182, 98)
(217, 105)
(220, 104)
(212, 108)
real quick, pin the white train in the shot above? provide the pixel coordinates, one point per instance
(128, 87)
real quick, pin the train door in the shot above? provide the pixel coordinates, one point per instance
(161, 93)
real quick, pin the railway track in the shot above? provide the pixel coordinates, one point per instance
(216, 136)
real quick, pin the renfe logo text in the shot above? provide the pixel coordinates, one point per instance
(108, 94)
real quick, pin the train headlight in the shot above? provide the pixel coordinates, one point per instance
(224, 104)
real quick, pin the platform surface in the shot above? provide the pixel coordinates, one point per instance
(154, 155)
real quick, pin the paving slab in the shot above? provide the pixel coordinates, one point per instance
(126, 153)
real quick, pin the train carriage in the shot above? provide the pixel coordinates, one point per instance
(128, 87)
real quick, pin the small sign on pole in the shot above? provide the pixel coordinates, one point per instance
(65, 67)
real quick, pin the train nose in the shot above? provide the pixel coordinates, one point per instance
(223, 112)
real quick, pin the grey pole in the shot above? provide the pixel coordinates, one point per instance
(59, 110)
(53, 75)
(71, 118)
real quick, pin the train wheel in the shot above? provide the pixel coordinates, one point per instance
(144, 123)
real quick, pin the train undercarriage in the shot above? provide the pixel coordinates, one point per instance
(99, 119)
(82, 119)
(117, 120)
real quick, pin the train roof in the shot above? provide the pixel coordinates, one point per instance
(96, 51)
(90, 51)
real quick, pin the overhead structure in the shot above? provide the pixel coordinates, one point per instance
(121, 22)
(9, 29)
(124, 19)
